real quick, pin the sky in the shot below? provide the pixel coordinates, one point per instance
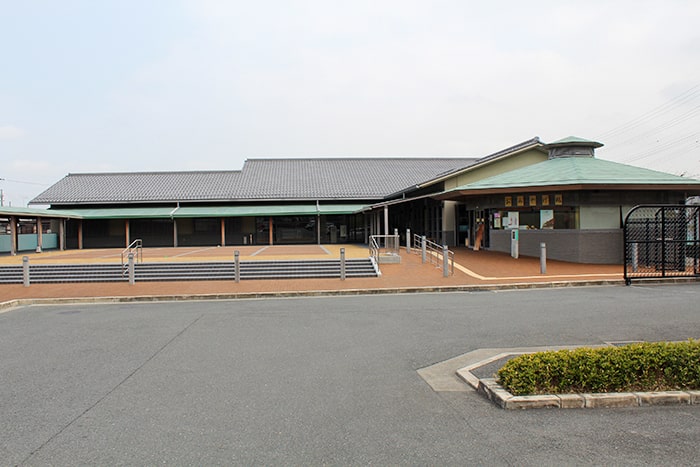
(159, 85)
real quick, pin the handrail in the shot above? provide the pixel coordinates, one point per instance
(135, 246)
(373, 247)
(383, 244)
(434, 253)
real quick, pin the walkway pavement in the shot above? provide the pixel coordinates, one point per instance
(472, 269)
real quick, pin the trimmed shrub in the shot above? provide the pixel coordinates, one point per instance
(653, 366)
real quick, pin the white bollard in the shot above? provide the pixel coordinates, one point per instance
(132, 272)
(342, 264)
(25, 270)
(237, 265)
(543, 258)
(445, 261)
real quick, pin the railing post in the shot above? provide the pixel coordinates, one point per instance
(543, 258)
(408, 241)
(422, 248)
(132, 272)
(25, 271)
(445, 261)
(342, 264)
(237, 265)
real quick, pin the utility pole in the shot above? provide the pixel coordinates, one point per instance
(2, 196)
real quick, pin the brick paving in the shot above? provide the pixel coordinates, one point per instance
(473, 268)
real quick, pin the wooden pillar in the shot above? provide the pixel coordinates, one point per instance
(271, 236)
(386, 220)
(80, 234)
(127, 233)
(223, 232)
(39, 236)
(13, 235)
(62, 234)
(365, 229)
(174, 233)
(318, 229)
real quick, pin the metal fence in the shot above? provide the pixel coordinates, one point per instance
(662, 241)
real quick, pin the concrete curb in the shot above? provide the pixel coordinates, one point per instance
(307, 293)
(6, 306)
(505, 400)
(495, 392)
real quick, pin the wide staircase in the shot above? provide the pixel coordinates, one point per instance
(249, 270)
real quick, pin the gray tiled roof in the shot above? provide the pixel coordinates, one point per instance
(356, 178)
(91, 188)
(260, 179)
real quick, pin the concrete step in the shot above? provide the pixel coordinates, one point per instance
(57, 273)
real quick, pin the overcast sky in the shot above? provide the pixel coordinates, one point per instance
(135, 85)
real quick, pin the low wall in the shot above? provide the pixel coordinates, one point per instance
(603, 246)
(5, 243)
(29, 242)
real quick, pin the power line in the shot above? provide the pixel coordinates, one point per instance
(677, 145)
(655, 113)
(24, 182)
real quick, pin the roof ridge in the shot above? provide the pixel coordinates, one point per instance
(360, 158)
(515, 147)
(154, 172)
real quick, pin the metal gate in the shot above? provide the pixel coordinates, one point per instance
(662, 241)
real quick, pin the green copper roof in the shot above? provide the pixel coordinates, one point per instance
(577, 171)
(6, 211)
(214, 211)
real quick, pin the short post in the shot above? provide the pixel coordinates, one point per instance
(408, 241)
(342, 264)
(445, 261)
(422, 248)
(25, 270)
(543, 258)
(635, 257)
(132, 272)
(237, 266)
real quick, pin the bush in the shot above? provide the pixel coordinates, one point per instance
(655, 366)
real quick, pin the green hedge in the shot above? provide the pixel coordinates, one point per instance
(657, 366)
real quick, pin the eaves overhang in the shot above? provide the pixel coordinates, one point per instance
(459, 193)
(8, 211)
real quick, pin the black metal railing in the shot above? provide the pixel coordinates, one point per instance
(662, 241)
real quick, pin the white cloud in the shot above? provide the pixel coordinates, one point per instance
(8, 132)
(29, 166)
(388, 77)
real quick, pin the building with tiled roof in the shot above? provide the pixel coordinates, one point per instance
(567, 199)
(558, 193)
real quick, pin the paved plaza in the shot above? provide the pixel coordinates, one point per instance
(323, 380)
(472, 269)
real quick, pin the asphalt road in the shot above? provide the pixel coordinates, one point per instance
(323, 381)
